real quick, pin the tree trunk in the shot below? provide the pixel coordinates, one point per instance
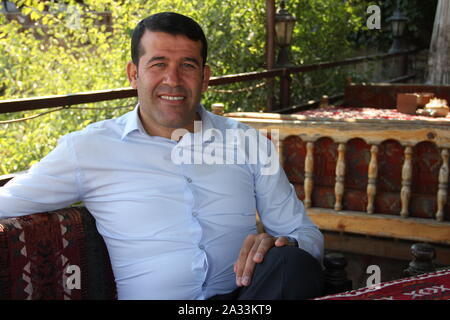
(439, 56)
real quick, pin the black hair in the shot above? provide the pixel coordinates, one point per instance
(169, 22)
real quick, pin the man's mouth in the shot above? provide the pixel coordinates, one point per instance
(172, 98)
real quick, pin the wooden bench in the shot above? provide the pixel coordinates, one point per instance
(386, 180)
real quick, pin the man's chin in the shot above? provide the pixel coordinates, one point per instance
(178, 121)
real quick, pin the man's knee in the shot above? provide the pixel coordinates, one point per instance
(301, 270)
(293, 256)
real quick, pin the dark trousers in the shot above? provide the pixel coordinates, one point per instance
(286, 273)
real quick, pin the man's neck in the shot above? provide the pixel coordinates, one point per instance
(166, 132)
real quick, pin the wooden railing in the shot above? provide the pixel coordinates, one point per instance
(284, 74)
(402, 224)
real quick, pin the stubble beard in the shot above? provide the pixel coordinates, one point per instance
(167, 116)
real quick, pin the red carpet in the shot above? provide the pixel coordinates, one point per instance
(430, 286)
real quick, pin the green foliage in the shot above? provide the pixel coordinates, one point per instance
(418, 28)
(323, 28)
(65, 48)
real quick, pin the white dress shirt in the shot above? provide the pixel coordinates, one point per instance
(173, 229)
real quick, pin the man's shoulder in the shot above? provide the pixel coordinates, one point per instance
(223, 122)
(112, 128)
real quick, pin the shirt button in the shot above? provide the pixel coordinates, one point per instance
(189, 180)
(201, 247)
(195, 214)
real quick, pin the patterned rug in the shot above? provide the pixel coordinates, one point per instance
(430, 286)
(54, 256)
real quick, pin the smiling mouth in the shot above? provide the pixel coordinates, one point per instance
(172, 98)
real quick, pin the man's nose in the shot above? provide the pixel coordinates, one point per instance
(172, 76)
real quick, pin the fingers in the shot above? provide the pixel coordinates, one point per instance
(253, 250)
(281, 242)
(240, 265)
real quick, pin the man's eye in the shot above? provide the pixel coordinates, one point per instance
(158, 65)
(188, 66)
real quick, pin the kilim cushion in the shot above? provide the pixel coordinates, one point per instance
(428, 286)
(54, 255)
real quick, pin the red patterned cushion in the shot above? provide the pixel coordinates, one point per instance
(430, 286)
(37, 252)
(366, 113)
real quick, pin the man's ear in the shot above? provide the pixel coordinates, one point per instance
(132, 74)
(206, 76)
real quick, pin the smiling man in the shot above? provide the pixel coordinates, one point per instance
(177, 230)
(169, 74)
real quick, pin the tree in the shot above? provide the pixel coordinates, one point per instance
(439, 54)
(65, 48)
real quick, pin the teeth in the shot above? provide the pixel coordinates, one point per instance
(172, 98)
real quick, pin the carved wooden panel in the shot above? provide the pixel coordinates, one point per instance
(425, 180)
(294, 154)
(389, 180)
(357, 158)
(325, 160)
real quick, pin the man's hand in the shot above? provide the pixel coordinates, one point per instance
(253, 250)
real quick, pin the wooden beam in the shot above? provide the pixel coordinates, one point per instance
(379, 247)
(270, 31)
(270, 51)
(348, 61)
(373, 131)
(15, 105)
(381, 225)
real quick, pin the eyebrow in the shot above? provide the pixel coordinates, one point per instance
(162, 58)
(158, 58)
(193, 60)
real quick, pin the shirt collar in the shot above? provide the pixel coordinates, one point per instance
(133, 122)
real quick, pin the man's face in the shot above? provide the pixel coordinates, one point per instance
(170, 80)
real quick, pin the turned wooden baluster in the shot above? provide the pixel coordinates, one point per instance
(340, 175)
(405, 193)
(309, 170)
(443, 185)
(372, 175)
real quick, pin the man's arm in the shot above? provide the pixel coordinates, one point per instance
(48, 185)
(283, 216)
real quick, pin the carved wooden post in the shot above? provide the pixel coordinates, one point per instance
(285, 89)
(443, 185)
(405, 193)
(335, 275)
(372, 175)
(340, 175)
(423, 255)
(309, 171)
(270, 51)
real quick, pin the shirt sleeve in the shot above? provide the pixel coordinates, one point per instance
(281, 211)
(50, 184)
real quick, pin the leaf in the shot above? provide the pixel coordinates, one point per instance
(27, 10)
(41, 6)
